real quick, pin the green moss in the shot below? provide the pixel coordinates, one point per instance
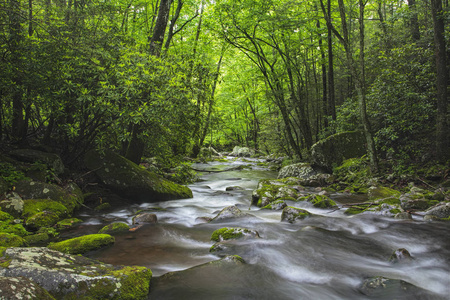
(83, 244)
(67, 223)
(4, 216)
(395, 211)
(11, 240)
(43, 212)
(16, 229)
(376, 193)
(321, 201)
(391, 201)
(103, 206)
(115, 228)
(37, 239)
(291, 214)
(228, 233)
(134, 281)
(354, 210)
(276, 205)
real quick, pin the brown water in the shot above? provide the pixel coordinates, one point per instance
(324, 257)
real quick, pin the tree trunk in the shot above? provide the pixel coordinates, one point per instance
(442, 135)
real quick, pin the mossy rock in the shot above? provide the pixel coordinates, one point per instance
(114, 228)
(17, 229)
(67, 223)
(354, 210)
(4, 216)
(37, 239)
(376, 193)
(83, 244)
(336, 148)
(131, 181)
(320, 201)
(103, 206)
(71, 197)
(276, 205)
(43, 212)
(228, 233)
(67, 276)
(292, 214)
(11, 240)
(13, 205)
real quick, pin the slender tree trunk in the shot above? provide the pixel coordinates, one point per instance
(442, 130)
(331, 90)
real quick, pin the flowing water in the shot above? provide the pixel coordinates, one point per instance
(327, 256)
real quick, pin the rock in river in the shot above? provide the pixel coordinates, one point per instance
(131, 181)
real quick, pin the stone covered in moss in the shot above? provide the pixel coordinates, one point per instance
(230, 213)
(131, 181)
(292, 214)
(37, 239)
(338, 147)
(67, 223)
(228, 233)
(70, 277)
(13, 204)
(17, 229)
(11, 240)
(276, 205)
(71, 197)
(115, 228)
(376, 193)
(441, 212)
(269, 191)
(43, 212)
(4, 216)
(83, 244)
(320, 201)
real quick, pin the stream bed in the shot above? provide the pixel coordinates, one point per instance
(327, 256)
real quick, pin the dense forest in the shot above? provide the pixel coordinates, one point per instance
(117, 122)
(165, 78)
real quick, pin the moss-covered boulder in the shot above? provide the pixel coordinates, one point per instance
(292, 214)
(11, 240)
(276, 205)
(68, 223)
(83, 244)
(230, 213)
(67, 276)
(440, 212)
(320, 201)
(11, 227)
(376, 193)
(70, 196)
(269, 191)
(228, 233)
(43, 213)
(131, 181)
(114, 228)
(305, 174)
(18, 288)
(38, 239)
(52, 160)
(338, 147)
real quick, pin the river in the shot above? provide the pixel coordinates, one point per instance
(327, 256)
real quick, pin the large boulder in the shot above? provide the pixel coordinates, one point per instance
(131, 181)
(305, 173)
(70, 196)
(336, 148)
(83, 244)
(67, 276)
(242, 152)
(32, 156)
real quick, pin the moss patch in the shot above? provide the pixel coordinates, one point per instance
(320, 201)
(83, 244)
(11, 240)
(292, 214)
(114, 228)
(135, 282)
(376, 193)
(228, 233)
(67, 223)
